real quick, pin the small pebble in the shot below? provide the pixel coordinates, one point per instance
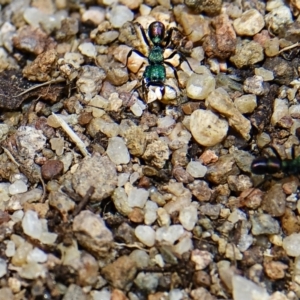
(246, 103)
(94, 14)
(248, 53)
(264, 73)
(207, 128)
(150, 212)
(88, 49)
(119, 15)
(254, 85)
(101, 295)
(137, 197)
(201, 258)
(145, 234)
(169, 234)
(196, 169)
(18, 187)
(278, 18)
(52, 169)
(280, 110)
(250, 23)
(198, 87)
(188, 217)
(10, 249)
(275, 269)
(92, 233)
(141, 258)
(117, 151)
(37, 255)
(31, 224)
(242, 286)
(3, 267)
(264, 224)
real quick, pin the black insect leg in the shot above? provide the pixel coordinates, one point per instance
(182, 58)
(168, 38)
(130, 53)
(174, 70)
(144, 34)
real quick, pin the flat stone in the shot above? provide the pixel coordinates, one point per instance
(264, 224)
(98, 172)
(121, 272)
(250, 23)
(196, 169)
(92, 234)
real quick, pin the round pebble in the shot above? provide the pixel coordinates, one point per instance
(52, 169)
(145, 234)
(207, 128)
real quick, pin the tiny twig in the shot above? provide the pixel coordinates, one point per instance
(58, 80)
(289, 47)
(44, 188)
(10, 156)
(84, 201)
(73, 136)
(131, 246)
(71, 194)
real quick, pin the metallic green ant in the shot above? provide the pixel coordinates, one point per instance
(155, 72)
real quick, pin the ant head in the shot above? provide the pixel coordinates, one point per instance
(156, 32)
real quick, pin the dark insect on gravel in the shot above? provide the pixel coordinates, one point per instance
(155, 72)
(271, 165)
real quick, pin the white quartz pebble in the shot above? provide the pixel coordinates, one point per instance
(145, 234)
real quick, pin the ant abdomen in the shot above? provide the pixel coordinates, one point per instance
(266, 165)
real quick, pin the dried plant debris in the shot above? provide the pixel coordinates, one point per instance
(138, 146)
(15, 89)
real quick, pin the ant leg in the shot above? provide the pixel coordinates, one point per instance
(144, 90)
(293, 152)
(143, 34)
(174, 70)
(163, 86)
(169, 34)
(182, 58)
(130, 53)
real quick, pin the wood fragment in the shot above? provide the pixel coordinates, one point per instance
(84, 201)
(73, 136)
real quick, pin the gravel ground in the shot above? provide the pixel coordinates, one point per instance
(115, 188)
